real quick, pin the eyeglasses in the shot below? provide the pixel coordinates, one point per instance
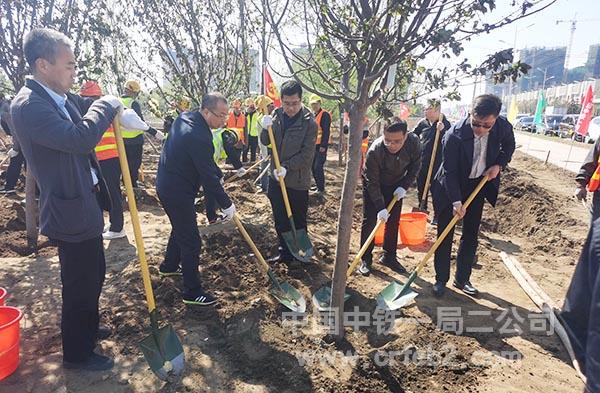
(221, 116)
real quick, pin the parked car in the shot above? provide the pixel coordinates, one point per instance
(524, 124)
(567, 126)
(551, 125)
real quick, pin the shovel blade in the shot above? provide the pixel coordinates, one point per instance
(290, 297)
(164, 353)
(395, 296)
(322, 298)
(299, 245)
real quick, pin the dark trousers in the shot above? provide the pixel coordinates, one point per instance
(111, 170)
(264, 180)
(236, 155)
(82, 269)
(317, 169)
(184, 243)
(390, 240)
(421, 178)
(468, 241)
(13, 171)
(252, 146)
(134, 161)
(595, 203)
(299, 205)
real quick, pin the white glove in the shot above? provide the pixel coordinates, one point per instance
(279, 173)
(12, 153)
(131, 121)
(267, 121)
(113, 101)
(399, 193)
(241, 172)
(229, 212)
(383, 215)
(159, 136)
(580, 192)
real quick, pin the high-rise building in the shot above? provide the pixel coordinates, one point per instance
(593, 62)
(550, 61)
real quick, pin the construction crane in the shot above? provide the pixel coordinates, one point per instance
(573, 23)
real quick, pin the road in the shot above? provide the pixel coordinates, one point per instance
(562, 153)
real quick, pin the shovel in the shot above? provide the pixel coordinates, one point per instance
(296, 240)
(162, 348)
(232, 178)
(423, 202)
(285, 294)
(261, 175)
(322, 297)
(396, 295)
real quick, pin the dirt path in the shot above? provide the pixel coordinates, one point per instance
(247, 344)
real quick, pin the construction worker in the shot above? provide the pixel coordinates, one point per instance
(17, 159)
(265, 107)
(580, 313)
(180, 106)
(134, 139)
(481, 144)
(391, 167)
(57, 133)
(253, 129)
(224, 141)
(295, 131)
(426, 130)
(237, 122)
(186, 164)
(588, 179)
(323, 120)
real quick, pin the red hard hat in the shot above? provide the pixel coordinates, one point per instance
(90, 89)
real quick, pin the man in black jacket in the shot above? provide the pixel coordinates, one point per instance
(479, 145)
(589, 167)
(58, 144)
(323, 120)
(391, 166)
(186, 164)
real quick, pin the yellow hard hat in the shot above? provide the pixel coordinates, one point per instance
(134, 86)
(314, 99)
(250, 101)
(184, 103)
(262, 102)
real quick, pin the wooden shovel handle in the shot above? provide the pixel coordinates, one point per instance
(286, 200)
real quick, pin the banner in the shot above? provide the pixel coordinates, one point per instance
(539, 112)
(513, 111)
(271, 89)
(587, 108)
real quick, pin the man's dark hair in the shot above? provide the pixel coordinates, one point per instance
(291, 87)
(486, 105)
(399, 126)
(211, 100)
(433, 103)
(43, 44)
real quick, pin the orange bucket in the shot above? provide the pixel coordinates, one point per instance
(3, 293)
(412, 228)
(9, 340)
(379, 235)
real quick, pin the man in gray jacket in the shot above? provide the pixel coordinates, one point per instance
(391, 166)
(58, 144)
(295, 132)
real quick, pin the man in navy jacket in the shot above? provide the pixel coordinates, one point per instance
(186, 164)
(58, 144)
(480, 145)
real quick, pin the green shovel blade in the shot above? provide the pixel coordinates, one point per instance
(163, 352)
(322, 298)
(290, 297)
(395, 296)
(299, 245)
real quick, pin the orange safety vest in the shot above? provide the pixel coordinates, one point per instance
(237, 123)
(365, 145)
(594, 182)
(107, 147)
(319, 129)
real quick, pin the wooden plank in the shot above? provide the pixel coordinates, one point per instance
(544, 303)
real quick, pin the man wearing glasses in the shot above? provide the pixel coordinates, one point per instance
(391, 166)
(480, 145)
(186, 164)
(295, 132)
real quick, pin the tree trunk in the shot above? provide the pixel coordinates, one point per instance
(344, 229)
(31, 211)
(341, 138)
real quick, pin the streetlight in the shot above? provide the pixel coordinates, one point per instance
(545, 71)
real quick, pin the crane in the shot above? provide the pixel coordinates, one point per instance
(573, 23)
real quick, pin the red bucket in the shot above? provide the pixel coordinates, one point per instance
(379, 235)
(413, 227)
(3, 293)
(10, 331)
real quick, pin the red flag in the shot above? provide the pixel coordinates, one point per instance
(404, 111)
(271, 89)
(587, 108)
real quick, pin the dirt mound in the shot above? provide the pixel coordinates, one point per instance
(13, 238)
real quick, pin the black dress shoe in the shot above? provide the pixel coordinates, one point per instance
(467, 288)
(94, 362)
(104, 332)
(392, 263)
(438, 289)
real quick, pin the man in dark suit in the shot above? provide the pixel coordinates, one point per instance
(480, 145)
(58, 144)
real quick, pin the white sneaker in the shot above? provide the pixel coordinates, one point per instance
(110, 235)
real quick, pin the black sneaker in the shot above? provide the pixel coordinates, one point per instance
(392, 262)
(203, 299)
(438, 289)
(94, 362)
(467, 288)
(281, 258)
(364, 268)
(162, 273)
(7, 191)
